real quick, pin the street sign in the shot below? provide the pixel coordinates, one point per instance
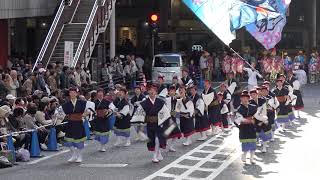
(197, 48)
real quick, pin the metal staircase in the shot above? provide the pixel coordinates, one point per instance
(80, 22)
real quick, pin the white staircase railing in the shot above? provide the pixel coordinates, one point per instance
(87, 31)
(49, 35)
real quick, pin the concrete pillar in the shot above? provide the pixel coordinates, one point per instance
(20, 36)
(314, 23)
(164, 15)
(9, 38)
(175, 17)
(3, 43)
(113, 34)
(242, 38)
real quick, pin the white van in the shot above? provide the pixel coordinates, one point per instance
(167, 65)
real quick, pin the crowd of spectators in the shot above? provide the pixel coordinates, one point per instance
(29, 99)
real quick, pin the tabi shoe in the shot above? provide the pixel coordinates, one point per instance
(202, 138)
(154, 159)
(43, 147)
(79, 156)
(171, 149)
(267, 144)
(187, 142)
(137, 138)
(74, 155)
(128, 142)
(159, 155)
(264, 149)
(142, 136)
(272, 137)
(217, 131)
(252, 158)
(102, 148)
(118, 141)
(244, 157)
(209, 132)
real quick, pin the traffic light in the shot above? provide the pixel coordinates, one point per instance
(154, 21)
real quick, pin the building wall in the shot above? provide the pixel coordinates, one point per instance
(4, 43)
(26, 8)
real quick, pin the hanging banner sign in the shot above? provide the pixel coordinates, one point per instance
(68, 53)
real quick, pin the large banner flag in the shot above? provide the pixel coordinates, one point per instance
(243, 13)
(215, 15)
(268, 31)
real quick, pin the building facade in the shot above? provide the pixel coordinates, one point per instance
(23, 27)
(176, 19)
(25, 23)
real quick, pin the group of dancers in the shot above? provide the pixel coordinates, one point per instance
(162, 114)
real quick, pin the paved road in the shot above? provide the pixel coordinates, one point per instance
(294, 155)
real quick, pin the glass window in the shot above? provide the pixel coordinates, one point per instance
(167, 61)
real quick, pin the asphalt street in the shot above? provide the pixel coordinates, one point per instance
(294, 155)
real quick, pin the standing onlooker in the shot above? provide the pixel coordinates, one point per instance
(30, 84)
(140, 63)
(52, 82)
(64, 78)
(106, 72)
(77, 76)
(86, 76)
(192, 70)
(204, 65)
(210, 63)
(41, 83)
(10, 85)
(217, 67)
(3, 89)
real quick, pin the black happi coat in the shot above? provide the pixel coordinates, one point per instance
(283, 109)
(74, 129)
(100, 124)
(213, 108)
(201, 121)
(247, 132)
(124, 121)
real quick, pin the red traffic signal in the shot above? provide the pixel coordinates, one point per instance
(154, 18)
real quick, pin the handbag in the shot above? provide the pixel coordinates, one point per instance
(8, 154)
(4, 162)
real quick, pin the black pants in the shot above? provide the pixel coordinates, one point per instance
(186, 126)
(42, 136)
(23, 139)
(153, 131)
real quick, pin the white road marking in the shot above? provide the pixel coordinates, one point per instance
(230, 140)
(103, 165)
(48, 157)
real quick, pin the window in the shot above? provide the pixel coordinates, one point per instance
(167, 61)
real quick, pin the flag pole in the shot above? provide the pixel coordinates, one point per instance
(241, 57)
